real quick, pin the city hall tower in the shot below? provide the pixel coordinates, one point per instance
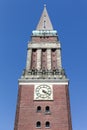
(43, 90)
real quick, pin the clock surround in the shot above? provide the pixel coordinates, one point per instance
(43, 92)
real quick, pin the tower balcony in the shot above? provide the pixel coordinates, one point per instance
(44, 32)
(44, 74)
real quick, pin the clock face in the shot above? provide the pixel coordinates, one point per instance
(43, 92)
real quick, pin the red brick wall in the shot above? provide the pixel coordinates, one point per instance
(44, 39)
(27, 115)
(54, 59)
(34, 59)
(44, 59)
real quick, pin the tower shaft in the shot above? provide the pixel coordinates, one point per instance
(43, 94)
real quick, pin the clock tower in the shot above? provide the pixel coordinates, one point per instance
(43, 92)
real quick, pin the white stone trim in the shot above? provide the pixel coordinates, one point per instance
(53, 83)
(28, 63)
(43, 86)
(44, 45)
(59, 64)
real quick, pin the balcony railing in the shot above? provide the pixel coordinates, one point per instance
(44, 74)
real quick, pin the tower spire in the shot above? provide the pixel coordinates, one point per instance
(45, 22)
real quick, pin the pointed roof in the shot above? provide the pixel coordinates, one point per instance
(45, 22)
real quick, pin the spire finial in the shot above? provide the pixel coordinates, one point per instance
(44, 5)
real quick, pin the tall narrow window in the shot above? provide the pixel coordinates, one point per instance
(39, 109)
(47, 109)
(54, 59)
(47, 124)
(34, 59)
(44, 59)
(38, 124)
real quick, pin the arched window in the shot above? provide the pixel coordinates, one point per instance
(34, 59)
(53, 50)
(47, 124)
(47, 109)
(38, 108)
(38, 124)
(54, 59)
(44, 59)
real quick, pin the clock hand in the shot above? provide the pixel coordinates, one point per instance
(45, 92)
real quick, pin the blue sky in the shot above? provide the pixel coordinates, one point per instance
(17, 20)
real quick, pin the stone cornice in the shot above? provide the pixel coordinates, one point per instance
(44, 45)
(58, 81)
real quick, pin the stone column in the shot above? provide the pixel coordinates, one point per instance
(59, 64)
(28, 63)
(49, 59)
(38, 59)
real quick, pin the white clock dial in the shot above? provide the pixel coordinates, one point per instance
(43, 92)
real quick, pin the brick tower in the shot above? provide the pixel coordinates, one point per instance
(43, 94)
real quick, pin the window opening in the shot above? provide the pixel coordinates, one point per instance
(38, 124)
(47, 124)
(53, 50)
(34, 50)
(47, 109)
(38, 108)
(43, 50)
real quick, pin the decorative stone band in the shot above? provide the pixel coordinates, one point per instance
(44, 74)
(44, 45)
(28, 64)
(44, 81)
(46, 32)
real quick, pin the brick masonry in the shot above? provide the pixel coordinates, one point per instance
(27, 115)
(44, 39)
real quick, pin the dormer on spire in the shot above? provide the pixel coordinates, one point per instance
(45, 22)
